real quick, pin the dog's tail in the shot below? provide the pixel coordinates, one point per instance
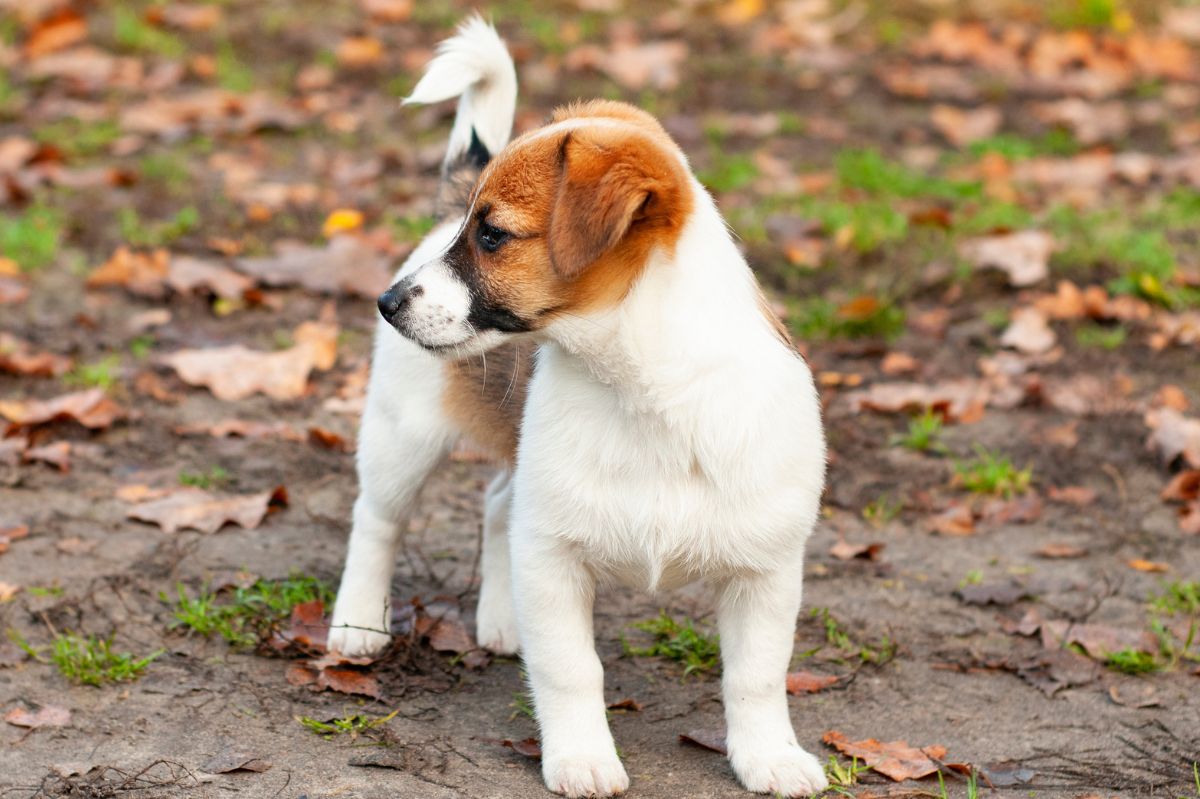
(474, 65)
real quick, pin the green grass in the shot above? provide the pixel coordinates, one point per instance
(870, 172)
(838, 637)
(168, 168)
(1105, 337)
(728, 171)
(865, 224)
(245, 616)
(410, 228)
(842, 777)
(1177, 598)
(1056, 142)
(924, 433)
(99, 374)
(991, 216)
(679, 641)
(232, 72)
(992, 473)
(142, 233)
(140, 346)
(88, 660)
(78, 138)
(1132, 661)
(1068, 14)
(32, 237)
(132, 33)
(882, 510)
(215, 476)
(817, 318)
(354, 725)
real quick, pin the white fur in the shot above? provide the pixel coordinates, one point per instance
(475, 67)
(672, 438)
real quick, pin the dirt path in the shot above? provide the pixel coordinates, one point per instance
(1021, 625)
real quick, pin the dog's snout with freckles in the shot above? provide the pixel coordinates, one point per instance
(393, 301)
(430, 307)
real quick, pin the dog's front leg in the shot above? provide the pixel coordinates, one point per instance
(757, 620)
(554, 593)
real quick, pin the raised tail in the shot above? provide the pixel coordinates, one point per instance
(474, 65)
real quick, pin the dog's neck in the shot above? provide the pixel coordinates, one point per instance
(692, 316)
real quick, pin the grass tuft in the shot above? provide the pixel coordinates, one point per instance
(678, 641)
(31, 238)
(993, 473)
(249, 615)
(352, 725)
(924, 433)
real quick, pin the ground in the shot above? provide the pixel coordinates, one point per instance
(979, 222)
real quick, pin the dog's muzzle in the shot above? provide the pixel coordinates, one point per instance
(396, 300)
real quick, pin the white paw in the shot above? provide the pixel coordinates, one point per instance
(787, 770)
(355, 643)
(496, 629)
(580, 775)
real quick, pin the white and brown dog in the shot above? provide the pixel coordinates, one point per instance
(582, 311)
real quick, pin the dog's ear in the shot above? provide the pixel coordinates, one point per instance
(610, 181)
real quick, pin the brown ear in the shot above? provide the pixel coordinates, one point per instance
(605, 187)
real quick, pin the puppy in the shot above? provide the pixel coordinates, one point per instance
(582, 311)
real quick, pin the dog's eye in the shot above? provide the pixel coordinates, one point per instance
(490, 238)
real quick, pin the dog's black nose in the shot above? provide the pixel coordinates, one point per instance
(395, 299)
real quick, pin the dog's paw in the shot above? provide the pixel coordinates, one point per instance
(355, 643)
(496, 630)
(784, 770)
(580, 775)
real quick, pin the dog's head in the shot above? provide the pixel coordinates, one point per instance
(561, 222)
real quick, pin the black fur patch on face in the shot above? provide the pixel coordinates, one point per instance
(484, 314)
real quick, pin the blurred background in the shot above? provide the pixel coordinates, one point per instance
(980, 220)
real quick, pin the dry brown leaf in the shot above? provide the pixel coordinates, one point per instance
(894, 759)
(805, 682)
(189, 17)
(241, 428)
(1170, 396)
(7, 592)
(328, 439)
(234, 759)
(1184, 487)
(10, 533)
(76, 545)
(712, 740)
(961, 127)
(91, 408)
(349, 681)
(961, 400)
(356, 52)
(634, 65)
(141, 273)
(236, 372)
(346, 266)
(629, 703)
(897, 363)
(1153, 567)
(1024, 509)
(45, 716)
(56, 454)
(388, 10)
(1135, 694)
(1079, 496)
(1023, 256)
(56, 32)
(1091, 123)
(20, 357)
(1056, 550)
(308, 628)
(192, 508)
(1029, 332)
(187, 275)
(1172, 435)
(956, 520)
(1098, 640)
(844, 550)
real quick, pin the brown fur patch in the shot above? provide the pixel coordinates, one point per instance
(487, 401)
(585, 207)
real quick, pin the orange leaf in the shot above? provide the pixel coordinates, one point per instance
(894, 759)
(1148, 566)
(805, 682)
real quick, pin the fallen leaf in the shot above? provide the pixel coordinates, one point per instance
(141, 273)
(235, 759)
(528, 747)
(359, 51)
(388, 10)
(1170, 396)
(635, 66)
(75, 545)
(20, 357)
(1024, 509)
(342, 220)
(1172, 436)
(712, 740)
(626, 704)
(1024, 256)
(1098, 640)
(1134, 694)
(57, 31)
(1079, 496)
(1055, 550)
(10, 533)
(45, 716)
(194, 509)
(1029, 332)
(328, 439)
(894, 759)
(57, 454)
(300, 675)
(961, 400)
(805, 682)
(7, 592)
(91, 408)
(1184, 487)
(349, 681)
(242, 428)
(961, 127)
(843, 550)
(956, 520)
(347, 265)
(450, 635)
(1138, 564)
(236, 372)
(897, 363)
(307, 627)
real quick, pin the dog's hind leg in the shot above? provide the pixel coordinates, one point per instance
(495, 619)
(400, 443)
(757, 620)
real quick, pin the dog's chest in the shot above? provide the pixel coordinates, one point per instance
(659, 499)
